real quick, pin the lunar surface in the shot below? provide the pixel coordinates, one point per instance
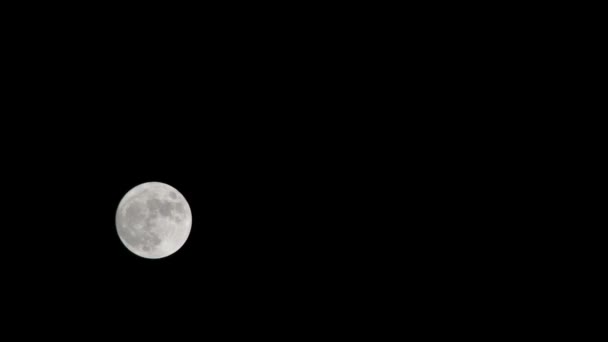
(153, 220)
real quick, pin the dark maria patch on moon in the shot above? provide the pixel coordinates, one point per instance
(145, 239)
(136, 214)
(162, 207)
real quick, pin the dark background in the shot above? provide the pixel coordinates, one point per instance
(258, 136)
(300, 143)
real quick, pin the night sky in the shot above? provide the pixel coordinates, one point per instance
(266, 142)
(270, 191)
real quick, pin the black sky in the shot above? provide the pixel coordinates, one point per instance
(265, 173)
(260, 136)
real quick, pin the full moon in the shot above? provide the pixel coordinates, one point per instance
(153, 220)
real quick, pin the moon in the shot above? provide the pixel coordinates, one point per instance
(153, 220)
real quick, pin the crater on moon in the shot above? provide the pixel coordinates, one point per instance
(153, 220)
